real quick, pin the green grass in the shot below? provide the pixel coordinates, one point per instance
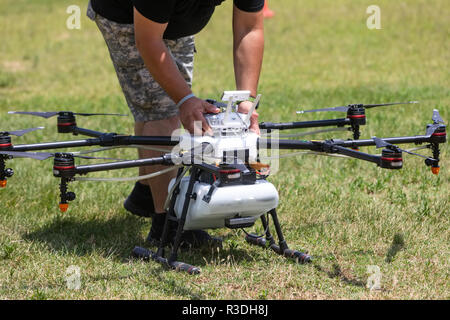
(348, 214)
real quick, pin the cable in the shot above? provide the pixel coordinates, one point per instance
(265, 231)
(418, 148)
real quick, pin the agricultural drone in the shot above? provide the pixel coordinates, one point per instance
(221, 178)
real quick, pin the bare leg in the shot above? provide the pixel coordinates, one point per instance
(159, 184)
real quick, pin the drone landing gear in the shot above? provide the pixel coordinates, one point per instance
(269, 242)
(171, 261)
(159, 256)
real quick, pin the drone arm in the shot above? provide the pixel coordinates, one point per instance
(105, 140)
(289, 144)
(154, 140)
(167, 159)
(56, 145)
(329, 147)
(86, 132)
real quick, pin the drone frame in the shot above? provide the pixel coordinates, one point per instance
(65, 169)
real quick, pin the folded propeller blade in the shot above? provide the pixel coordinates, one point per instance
(100, 114)
(437, 117)
(39, 114)
(368, 106)
(437, 120)
(20, 133)
(32, 155)
(380, 143)
(345, 108)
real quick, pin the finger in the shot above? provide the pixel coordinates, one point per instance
(209, 108)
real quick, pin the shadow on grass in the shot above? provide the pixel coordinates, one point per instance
(116, 237)
(398, 243)
(110, 238)
(336, 272)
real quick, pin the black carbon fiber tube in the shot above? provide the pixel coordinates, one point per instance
(164, 160)
(56, 145)
(289, 144)
(86, 132)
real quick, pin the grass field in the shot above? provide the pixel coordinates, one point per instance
(348, 214)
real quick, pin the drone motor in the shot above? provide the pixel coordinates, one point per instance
(357, 114)
(391, 159)
(66, 122)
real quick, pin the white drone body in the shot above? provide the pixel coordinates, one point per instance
(231, 141)
(231, 132)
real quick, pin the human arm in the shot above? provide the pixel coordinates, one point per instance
(157, 58)
(248, 49)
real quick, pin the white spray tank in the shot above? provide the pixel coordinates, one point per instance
(228, 206)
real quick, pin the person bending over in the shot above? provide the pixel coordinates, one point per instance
(151, 45)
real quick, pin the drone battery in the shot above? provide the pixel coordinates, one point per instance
(210, 210)
(391, 159)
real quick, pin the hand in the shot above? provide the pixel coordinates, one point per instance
(191, 115)
(244, 107)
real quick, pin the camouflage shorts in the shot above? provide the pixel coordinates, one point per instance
(145, 98)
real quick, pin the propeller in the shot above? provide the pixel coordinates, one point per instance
(437, 121)
(20, 133)
(367, 106)
(46, 155)
(50, 114)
